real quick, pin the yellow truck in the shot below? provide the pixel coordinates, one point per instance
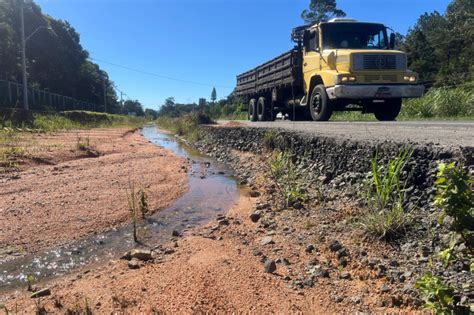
(339, 65)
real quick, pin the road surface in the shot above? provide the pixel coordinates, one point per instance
(443, 133)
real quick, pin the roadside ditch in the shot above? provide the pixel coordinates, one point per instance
(328, 222)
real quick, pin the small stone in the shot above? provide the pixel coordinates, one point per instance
(257, 252)
(384, 288)
(266, 240)
(285, 262)
(309, 249)
(126, 256)
(356, 299)
(342, 253)
(343, 261)
(40, 293)
(175, 233)
(269, 266)
(335, 246)
(254, 217)
(345, 275)
(262, 206)
(338, 299)
(141, 254)
(134, 264)
(254, 194)
(224, 221)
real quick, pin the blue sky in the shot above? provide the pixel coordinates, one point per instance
(204, 41)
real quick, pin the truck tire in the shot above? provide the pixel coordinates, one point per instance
(319, 105)
(253, 110)
(389, 110)
(262, 109)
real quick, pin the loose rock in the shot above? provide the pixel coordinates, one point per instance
(141, 254)
(269, 266)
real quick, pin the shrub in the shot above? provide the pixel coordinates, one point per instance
(436, 295)
(455, 196)
(285, 174)
(269, 139)
(441, 103)
(386, 217)
(186, 125)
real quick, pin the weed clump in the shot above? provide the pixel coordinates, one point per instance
(386, 216)
(269, 139)
(138, 206)
(435, 294)
(287, 178)
(186, 126)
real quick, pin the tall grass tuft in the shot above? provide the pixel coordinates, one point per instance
(440, 103)
(186, 126)
(286, 177)
(386, 216)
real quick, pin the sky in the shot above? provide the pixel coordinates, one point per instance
(202, 43)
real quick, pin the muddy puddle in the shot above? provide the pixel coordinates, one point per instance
(212, 191)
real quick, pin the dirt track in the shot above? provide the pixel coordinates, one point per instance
(64, 189)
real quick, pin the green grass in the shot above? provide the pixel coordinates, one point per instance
(386, 216)
(49, 122)
(186, 126)
(441, 103)
(436, 104)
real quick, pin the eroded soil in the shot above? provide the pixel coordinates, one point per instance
(65, 191)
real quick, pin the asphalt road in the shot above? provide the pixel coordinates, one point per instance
(443, 133)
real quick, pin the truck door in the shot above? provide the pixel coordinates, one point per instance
(312, 58)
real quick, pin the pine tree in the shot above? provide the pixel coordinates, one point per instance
(321, 10)
(213, 95)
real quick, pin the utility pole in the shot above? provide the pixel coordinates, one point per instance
(105, 97)
(23, 57)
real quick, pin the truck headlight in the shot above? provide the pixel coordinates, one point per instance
(410, 78)
(344, 78)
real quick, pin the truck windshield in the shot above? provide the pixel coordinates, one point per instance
(354, 36)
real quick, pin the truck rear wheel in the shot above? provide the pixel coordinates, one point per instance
(262, 109)
(389, 110)
(319, 105)
(253, 110)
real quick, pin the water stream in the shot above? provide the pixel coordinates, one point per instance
(212, 191)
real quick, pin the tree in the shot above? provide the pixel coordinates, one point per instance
(440, 47)
(56, 60)
(151, 114)
(213, 95)
(321, 10)
(131, 107)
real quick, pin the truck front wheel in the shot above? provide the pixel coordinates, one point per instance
(389, 110)
(319, 105)
(253, 110)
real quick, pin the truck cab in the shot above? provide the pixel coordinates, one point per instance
(351, 65)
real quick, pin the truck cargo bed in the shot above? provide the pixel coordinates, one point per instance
(281, 72)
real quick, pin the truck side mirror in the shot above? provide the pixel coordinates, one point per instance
(392, 41)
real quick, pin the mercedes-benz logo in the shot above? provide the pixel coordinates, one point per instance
(380, 62)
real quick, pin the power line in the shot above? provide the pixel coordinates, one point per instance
(160, 75)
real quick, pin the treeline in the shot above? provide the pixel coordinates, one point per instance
(56, 60)
(440, 47)
(229, 107)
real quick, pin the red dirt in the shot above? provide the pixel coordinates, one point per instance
(78, 193)
(205, 274)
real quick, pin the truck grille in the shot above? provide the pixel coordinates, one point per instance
(379, 62)
(380, 78)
